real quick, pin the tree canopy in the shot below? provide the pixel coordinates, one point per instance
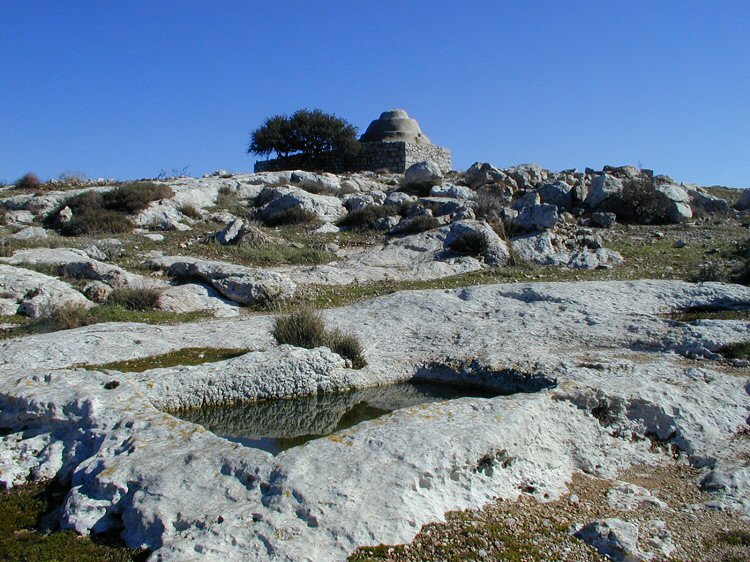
(311, 137)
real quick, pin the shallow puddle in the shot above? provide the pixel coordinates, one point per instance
(277, 425)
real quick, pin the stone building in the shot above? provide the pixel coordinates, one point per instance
(394, 141)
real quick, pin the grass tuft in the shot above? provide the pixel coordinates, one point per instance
(305, 328)
(470, 243)
(292, 215)
(144, 298)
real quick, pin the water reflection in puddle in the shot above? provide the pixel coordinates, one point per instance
(277, 425)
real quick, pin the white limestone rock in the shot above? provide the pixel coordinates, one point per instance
(167, 483)
(236, 283)
(325, 207)
(36, 294)
(423, 175)
(702, 199)
(192, 297)
(19, 218)
(557, 193)
(615, 538)
(482, 173)
(454, 191)
(397, 198)
(676, 202)
(625, 496)
(77, 263)
(545, 248)
(30, 233)
(310, 180)
(603, 187)
(534, 218)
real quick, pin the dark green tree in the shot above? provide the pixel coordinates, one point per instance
(313, 138)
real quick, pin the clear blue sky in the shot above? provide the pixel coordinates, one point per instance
(129, 88)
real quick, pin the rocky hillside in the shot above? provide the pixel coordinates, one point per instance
(607, 308)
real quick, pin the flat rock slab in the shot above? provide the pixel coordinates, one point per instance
(236, 283)
(618, 366)
(35, 294)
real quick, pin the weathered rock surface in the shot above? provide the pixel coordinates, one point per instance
(423, 175)
(34, 294)
(77, 263)
(603, 187)
(546, 248)
(131, 465)
(236, 283)
(326, 207)
(615, 538)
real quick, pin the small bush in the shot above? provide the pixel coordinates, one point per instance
(489, 204)
(365, 219)
(347, 346)
(419, 224)
(742, 273)
(292, 215)
(135, 298)
(320, 189)
(97, 221)
(470, 243)
(68, 316)
(305, 328)
(136, 196)
(736, 350)
(302, 328)
(190, 211)
(708, 272)
(28, 181)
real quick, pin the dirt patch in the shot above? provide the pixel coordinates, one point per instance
(527, 529)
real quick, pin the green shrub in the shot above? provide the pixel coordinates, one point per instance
(302, 328)
(365, 219)
(292, 215)
(708, 272)
(28, 181)
(742, 273)
(470, 243)
(136, 196)
(97, 221)
(347, 346)
(305, 328)
(736, 350)
(320, 189)
(142, 298)
(419, 224)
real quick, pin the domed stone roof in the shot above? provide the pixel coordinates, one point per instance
(395, 125)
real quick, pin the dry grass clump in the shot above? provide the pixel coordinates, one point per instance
(28, 181)
(366, 218)
(142, 298)
(347, 346)
(190, 211)
(418, 224)
(305, 328)
(301, 328)
(292, 215)
(68, 316)
(470, 243)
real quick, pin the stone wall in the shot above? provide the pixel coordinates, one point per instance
(395, 156)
